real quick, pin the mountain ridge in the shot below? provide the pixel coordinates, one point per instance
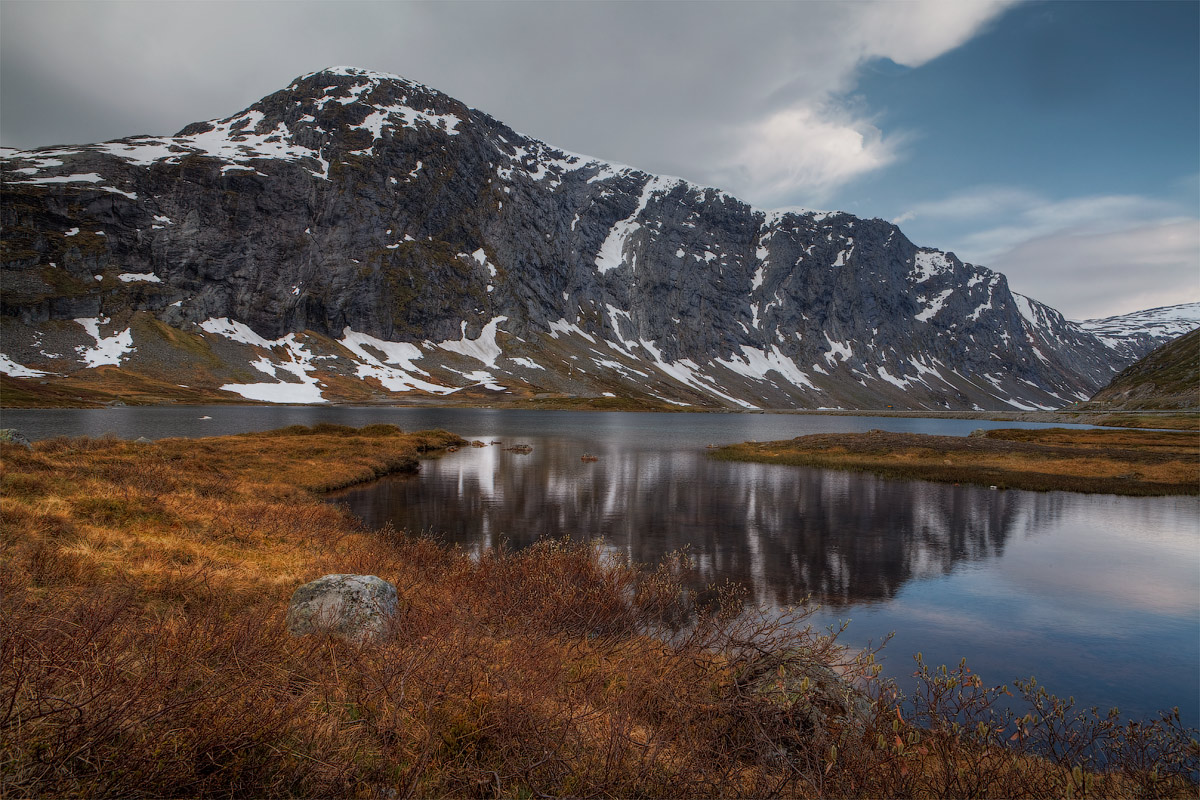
(1168, 378)
(1139, 332)
(416, 246)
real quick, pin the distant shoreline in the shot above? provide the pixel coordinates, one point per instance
(1123, 462)
(1184, 419)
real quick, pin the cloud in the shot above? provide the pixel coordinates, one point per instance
(1090, 256)
(801, 150)
(975, 204)
(1088, 273)
(668, 87)
(915, 33)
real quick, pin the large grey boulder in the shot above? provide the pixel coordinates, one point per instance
(356, 607)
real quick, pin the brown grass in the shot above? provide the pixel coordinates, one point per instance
(1182, 421)
(145, 655)
(1125, 462)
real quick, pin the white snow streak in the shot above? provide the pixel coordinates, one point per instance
(929, 263)
(483, 349)
(612, 251)
(757, 363)
(299, 364)
(562, 326)
(12, 368)
(394, 370)
(837, 350)
(935, 305)
(481, 257)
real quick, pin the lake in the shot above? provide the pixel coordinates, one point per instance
(1096, 595)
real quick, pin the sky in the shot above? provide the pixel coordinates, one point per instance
(1057, 142)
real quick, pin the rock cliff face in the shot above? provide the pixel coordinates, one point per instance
(358, 236)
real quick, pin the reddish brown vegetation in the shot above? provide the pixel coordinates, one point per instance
(144, 654)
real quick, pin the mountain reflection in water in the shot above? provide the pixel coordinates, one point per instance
(784, 532)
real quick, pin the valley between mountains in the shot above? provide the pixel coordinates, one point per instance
(357, 237)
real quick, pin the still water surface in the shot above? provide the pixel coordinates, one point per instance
(1099, 596)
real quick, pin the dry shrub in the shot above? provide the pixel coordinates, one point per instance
(207, 695)
(102, 699)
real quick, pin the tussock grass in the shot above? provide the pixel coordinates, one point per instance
(144, 654)
(1126, 462)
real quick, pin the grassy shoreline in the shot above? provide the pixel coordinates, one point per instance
(1125, 462)
(144, 655)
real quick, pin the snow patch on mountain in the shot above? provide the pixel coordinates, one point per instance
(395, 369)
(108, 349)
(483, 349)
(933, 305)
(15, 370)
(928, 264)
(1145, 330)
(756, 363)
(561, 326)
(612, 251)
(306, 388)
(688, 373)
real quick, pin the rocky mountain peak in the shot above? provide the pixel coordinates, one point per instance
(427, 246)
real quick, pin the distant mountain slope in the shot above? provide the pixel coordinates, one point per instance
(1138, 333)
(360, 237)
(1168, 378)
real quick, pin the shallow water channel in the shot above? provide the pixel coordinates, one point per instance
(1096, 595)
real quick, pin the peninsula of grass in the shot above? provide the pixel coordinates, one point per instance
(1126, 462)
(144, 653)
(1173, 420)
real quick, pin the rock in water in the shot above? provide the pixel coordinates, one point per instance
(356, 607)
(13, 436)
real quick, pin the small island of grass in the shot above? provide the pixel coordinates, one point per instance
(1126, 462)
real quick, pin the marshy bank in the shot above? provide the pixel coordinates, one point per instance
(1121, 462)
(144, 654)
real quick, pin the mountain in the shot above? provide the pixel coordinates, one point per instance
(1138, 333)
(357, 236)
(1168, 378)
